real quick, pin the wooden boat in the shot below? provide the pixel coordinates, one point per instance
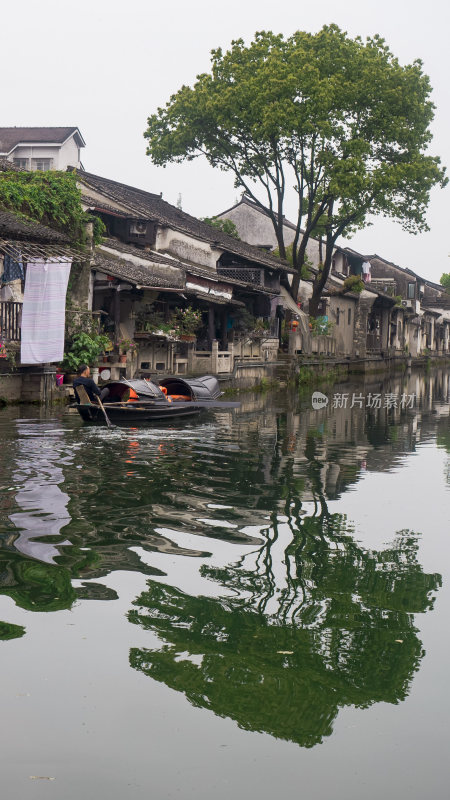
(142, 401)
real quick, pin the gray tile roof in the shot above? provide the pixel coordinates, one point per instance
(16, 227)
(11, 137)
(154, 257)
(151, 206)
(149, 255)
(153, 275)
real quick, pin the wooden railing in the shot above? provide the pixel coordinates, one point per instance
(10, 314)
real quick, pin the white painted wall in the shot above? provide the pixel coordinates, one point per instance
(63, 155)
(256, 228)
(187, 248)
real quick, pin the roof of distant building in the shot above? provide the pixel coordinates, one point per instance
(438, 302)
(247, 201)
(151, 206)
(10, 138)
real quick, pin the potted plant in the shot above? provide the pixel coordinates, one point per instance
(260, 329)
(84, 349)
(187, 322)
(126, 346)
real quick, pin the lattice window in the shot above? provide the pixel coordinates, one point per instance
(254, 276)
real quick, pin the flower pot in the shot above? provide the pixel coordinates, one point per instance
(188, 337)
(123, 359)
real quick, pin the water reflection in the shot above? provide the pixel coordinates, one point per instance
(301, 620)
(340, 632)
(9, 631)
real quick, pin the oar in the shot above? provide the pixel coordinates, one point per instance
(107, 419)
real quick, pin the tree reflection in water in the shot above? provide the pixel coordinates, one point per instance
(311, 627)
(10, 631)
(343, 633)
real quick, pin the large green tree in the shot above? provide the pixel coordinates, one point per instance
(336, 122)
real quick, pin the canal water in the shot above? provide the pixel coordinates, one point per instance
(252, 605)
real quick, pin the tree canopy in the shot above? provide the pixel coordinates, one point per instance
(225, 225)
(336, 122)
(445, 281)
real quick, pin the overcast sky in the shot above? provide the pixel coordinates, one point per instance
(105, 66)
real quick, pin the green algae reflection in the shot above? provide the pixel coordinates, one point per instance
(283, 661)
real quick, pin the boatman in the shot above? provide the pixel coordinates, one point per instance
(83, 379)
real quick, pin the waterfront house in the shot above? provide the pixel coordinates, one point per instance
(422, 314)
(23, 241)
(358, 324)
(397, 312)
(184, 264)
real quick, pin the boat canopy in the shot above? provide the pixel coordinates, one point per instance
(204, 388)
(119, 391)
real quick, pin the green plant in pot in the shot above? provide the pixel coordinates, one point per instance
(127, 346)
(84, 349)
(187, 321)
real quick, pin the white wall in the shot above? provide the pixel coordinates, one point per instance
(187, 248)
(256, 228)
(63, 156)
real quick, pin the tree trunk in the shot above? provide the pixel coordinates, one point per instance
(321, 278)
(299, 262)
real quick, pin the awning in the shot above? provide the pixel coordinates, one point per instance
(30, 251)
(289, 303)
(212, 300)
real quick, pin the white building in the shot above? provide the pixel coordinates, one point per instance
(42, 148)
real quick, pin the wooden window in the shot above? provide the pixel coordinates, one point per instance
(411, 291)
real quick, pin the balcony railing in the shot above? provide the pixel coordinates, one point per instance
(10, 317)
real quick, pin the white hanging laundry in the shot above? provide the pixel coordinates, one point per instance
(44, 312)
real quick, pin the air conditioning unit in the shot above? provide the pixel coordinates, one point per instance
(138, 228)
(406, 303)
